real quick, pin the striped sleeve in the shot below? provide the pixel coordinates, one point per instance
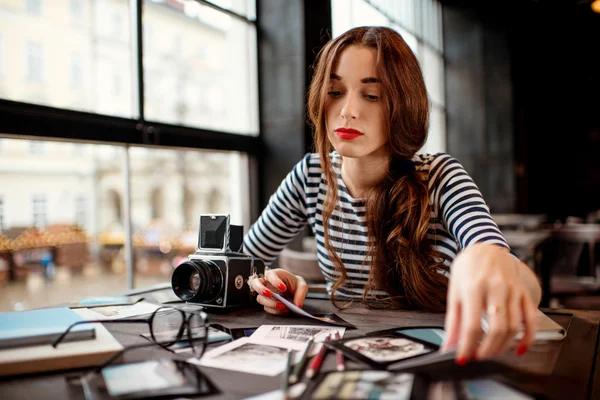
(461, 205)
(283, 218)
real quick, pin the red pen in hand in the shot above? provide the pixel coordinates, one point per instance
(314, 366)
(339, 356)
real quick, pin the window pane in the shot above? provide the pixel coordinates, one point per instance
(200, 68)
(436, 140)
(347, 14)
(170, 189)
(246, 8)
(62, 220)
(433, 72)
(66, 56)
(1, 60)
(59, 202)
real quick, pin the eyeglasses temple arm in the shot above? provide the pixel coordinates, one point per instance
(65, 333)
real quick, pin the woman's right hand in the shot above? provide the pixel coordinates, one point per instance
(283, 282)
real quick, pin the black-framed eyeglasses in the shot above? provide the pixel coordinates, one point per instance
(167, 326)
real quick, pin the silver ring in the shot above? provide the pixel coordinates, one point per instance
(495, 310)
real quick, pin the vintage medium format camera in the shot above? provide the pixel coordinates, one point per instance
(216, 274)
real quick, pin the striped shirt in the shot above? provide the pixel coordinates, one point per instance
(459, 217)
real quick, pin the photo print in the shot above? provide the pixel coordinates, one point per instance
(299, 333)
(386, 349)
(295, 336)
(245, 356)
(364, 385)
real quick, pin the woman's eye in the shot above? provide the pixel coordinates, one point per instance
(334, 94)
(372, 97)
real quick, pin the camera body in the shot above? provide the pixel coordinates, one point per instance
(216, 274)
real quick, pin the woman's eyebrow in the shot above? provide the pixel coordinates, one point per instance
(369, 79)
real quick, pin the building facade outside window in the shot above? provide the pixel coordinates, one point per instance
(1, 56)
(76, 7)
(40, 217)
(35, 62)
(80, 212)
(76, 72)
(1, 213)
(37, 147)
(33, 7)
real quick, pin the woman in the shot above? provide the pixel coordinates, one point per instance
(392, 226)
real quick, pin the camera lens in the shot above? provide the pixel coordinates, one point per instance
(197, 281)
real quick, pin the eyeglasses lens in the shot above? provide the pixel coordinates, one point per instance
(167, 326)
(199, 330)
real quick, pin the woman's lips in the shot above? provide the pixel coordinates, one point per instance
(347, 134)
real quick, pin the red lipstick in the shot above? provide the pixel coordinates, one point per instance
(347, 133)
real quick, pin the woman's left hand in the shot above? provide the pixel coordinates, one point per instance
(486, 278)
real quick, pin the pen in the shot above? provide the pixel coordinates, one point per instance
(314, 366)
(295, 377)
(286, 375)
(339, 356)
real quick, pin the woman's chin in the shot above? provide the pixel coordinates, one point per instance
(349, 149)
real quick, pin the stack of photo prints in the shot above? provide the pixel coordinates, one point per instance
(388, 356)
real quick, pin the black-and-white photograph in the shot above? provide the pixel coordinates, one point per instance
(245, 356)
(365, 385)
(386, 349)
(297, 333)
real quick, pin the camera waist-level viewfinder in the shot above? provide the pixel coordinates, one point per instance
(216, 274)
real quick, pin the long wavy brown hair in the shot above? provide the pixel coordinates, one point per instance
(404, 262)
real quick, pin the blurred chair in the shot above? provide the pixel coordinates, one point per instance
(574, 267)
(593, 217)
(523, 222)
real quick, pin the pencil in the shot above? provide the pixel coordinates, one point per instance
(295, 377)
(339, 356)
(286, 375)
(314, 366)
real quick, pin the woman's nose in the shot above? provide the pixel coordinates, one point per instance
(349, 110)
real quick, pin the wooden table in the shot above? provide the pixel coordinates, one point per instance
(555, 370)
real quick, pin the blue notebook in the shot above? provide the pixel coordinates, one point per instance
(43, 326)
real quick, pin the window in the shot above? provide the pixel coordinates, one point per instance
(35, 61)
(39, 211)
(179, 63)
(69, 62)
(76, 7)
(116, 84)
(1, 56)
(117, 24)
(76, 76)
(37, 147)
(33, 7)
(1, 213)
(63, 183)
(80, 212)
(419, 22)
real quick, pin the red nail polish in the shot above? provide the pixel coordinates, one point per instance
(282, 287)
(462, 361)
(522, 349)
(281, 306)
(267, 293)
